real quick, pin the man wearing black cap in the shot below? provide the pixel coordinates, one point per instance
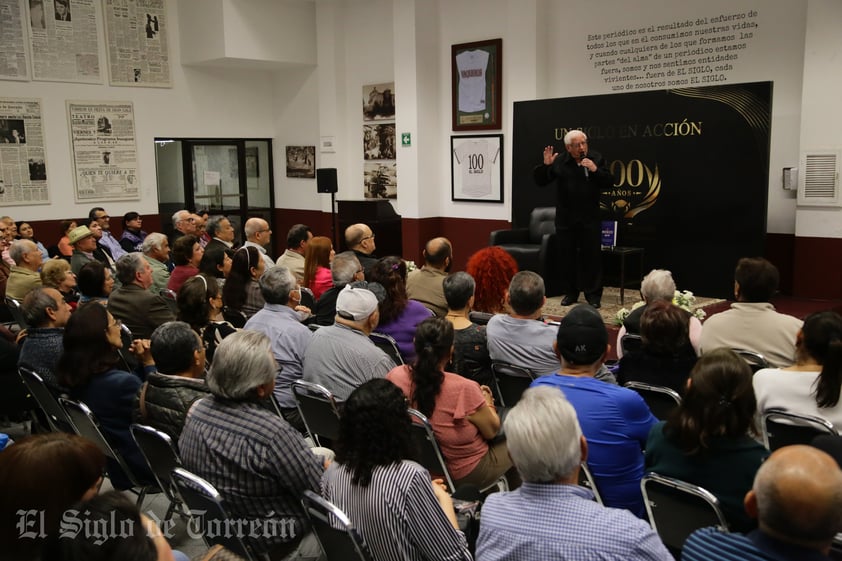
(615, 420)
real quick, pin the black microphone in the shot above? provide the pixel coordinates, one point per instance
(586, 169)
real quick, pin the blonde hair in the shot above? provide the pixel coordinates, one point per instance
(53, 272)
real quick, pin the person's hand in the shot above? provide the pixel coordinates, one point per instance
(446, 503)
(549, 155)
(304, 309)
(488, 395)
(141, 349)
(588, 163)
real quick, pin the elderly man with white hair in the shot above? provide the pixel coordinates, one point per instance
(550, 516)
(156, 249)
(23, 276)
(657, 285)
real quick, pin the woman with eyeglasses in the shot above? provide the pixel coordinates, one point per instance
(133, 235)
(91, 368)
(56, 273)
(186, 254)
(241, 292)
(200, 305)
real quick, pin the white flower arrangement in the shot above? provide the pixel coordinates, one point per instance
(410, 266)
(685, 300)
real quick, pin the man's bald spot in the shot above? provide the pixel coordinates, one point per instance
(437, 251)
(355, 233)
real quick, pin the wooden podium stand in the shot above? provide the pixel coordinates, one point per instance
(380, 217)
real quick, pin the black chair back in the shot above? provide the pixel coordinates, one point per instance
(754, 359)
(128, 359)
(160, 454)
(631, 343)
(388, 345)
(782, 428)
(307, 298)
(586, 480)
(339, 539)
(427, 448)
(511, 382)
(16, 311)
(318, 410)
(56, 415)
(676, 509)
(235, 317)
(171, 298)
(661, 400)
(480, 318)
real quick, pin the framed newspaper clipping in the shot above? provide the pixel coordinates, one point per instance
(476, 170)
(477, 84)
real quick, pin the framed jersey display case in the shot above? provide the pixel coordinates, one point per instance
(476, 169)
(477, 85)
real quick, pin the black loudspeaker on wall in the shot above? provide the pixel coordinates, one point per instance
(326, 180)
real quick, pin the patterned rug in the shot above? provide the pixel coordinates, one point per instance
(611, 303)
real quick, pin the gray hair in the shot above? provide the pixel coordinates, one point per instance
(172, 345)
(458, 289)
(35, 305)
(128, 266)
(568, 138)
(658, 285)
(19, 248)
(344, 267)
(276, 284)
(542, 435)
(179, 216)
(242, 362)
(153, 241)
(214, 224)
(526, 293)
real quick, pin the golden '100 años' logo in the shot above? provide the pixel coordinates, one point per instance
(636, 188)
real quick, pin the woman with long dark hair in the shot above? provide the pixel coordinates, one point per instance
(216, 262)
(242, 291)
(812, 385)
(318, 255)
(461, 411)
(372, 470)
(710, 438)
(399, 316)
(200, 305)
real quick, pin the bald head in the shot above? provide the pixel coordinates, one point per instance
(438, 252)
(359, 237)
(797, 496)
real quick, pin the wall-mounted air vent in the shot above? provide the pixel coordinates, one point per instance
(818, 183)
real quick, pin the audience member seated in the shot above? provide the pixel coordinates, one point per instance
(752, 322)
(293, 257)
(183, 224)
(461, 411)
(665, 357)
(200, 305)
(27, 232)
(89, 368)
(317, 259)
(521, 337)
(8, 234)
(47, 314)
(281, 323)
(259, 235)
(102, 253)
(220, 230)
(550, 516)
(241, 291)
(470, 344)
(399, 315)
(345, 269)
(84, 244)
(797, 501)
(616, 421)
(492, 269)
(94, 282)
(65, 250)
(23, 276)
(41, 476)
(341, 357)
(107, 241)
(187, 253)
(56, 273)
(217, 263)
(156, 249)
(812, 385)
(133, 235)
(425, 284)
(132, 303)
(166, 396)
(258, 462)
(5, 266)
(658, 286)
(360, 239)
(373, 469)
(711, 438)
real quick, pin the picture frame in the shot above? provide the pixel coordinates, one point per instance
(477, 85)
(476, 168)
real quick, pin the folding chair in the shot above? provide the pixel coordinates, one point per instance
(661, 400)
(586, 480)
(127, 337)
(16, 311)
(208, 512)
(511, 382)
(56, 415)
(388, 345)
(334, 530)
(87, 426)
(318, 410)
(160, 454)
(755, 360)
(480, 318)
(676, 509)
(631, 343)
(782, 428)
(307, 298)
(235, 317)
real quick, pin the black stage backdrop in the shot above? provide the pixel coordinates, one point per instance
(690, 167)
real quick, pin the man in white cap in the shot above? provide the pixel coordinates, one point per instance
(341, 357)
(84, 244)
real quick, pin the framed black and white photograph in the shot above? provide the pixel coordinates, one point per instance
(476, 171)
(381, 180)
(379, 102)
(379, 141)
(477, 85)
(301, 161)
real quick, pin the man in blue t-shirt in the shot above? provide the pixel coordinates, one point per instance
(616, 421)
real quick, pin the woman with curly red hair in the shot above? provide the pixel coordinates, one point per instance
(492, 269)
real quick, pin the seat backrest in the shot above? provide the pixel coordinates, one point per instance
(307, 297)
(388, 345)
(541, 221)
(318, 409)
(127, 337)
(208, 511)
(171, 298)
(480, 318)
(336, 534)
(586, 480)
(56, 415)
(631, 343)
(754, 359)
(160, 454)
(16, 311)
(676, 508)
(660, 399)
(235, 317)
(427, 448)
(511, 382)
(782, 428)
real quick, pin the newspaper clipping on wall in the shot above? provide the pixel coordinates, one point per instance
(14, 64)
(64, 41)
(23, 167)
(102, 137)
(136, 36)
